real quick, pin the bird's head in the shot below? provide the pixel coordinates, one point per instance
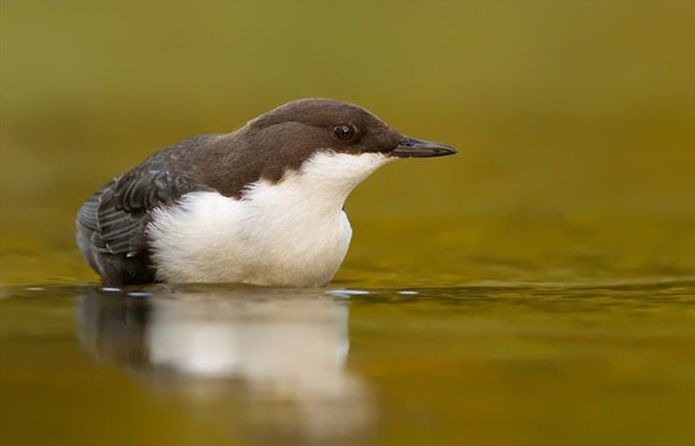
(329, 145)
(305, 126)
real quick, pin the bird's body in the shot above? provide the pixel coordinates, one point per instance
(276, 234)
(262, 205)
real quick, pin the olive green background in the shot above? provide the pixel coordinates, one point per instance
(576, 111)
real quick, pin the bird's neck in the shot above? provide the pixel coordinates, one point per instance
(329, 177)
(320, 186)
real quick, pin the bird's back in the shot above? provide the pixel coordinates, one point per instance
(112, 223)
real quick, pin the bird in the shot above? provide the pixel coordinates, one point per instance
(261, 205)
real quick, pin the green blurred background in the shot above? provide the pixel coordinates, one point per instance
(575, 122)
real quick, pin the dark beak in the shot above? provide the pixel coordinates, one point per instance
(419, 148)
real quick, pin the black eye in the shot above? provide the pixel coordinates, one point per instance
(343, 131)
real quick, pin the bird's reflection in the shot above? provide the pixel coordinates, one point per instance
(277, 357)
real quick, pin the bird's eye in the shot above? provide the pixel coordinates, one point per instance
(343, 131)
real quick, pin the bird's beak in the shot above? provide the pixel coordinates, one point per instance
(419, 148)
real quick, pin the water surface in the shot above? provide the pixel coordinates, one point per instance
(544, 364)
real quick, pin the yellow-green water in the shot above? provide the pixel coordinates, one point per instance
(495, 364)
(537, 288)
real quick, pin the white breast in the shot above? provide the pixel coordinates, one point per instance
(293, 233)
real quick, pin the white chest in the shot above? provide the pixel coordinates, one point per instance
(293, 233)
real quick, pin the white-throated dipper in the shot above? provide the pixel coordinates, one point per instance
(261, 205)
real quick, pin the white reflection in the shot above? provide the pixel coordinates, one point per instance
(281, 353)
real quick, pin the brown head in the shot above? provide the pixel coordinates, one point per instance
(307, 125)
(283, 139)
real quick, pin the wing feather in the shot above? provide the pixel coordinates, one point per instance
(118, 214)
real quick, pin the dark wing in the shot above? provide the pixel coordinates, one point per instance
(118, 214)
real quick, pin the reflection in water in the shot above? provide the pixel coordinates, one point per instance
(278, 357)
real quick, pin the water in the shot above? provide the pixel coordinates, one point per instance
(544, 364)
